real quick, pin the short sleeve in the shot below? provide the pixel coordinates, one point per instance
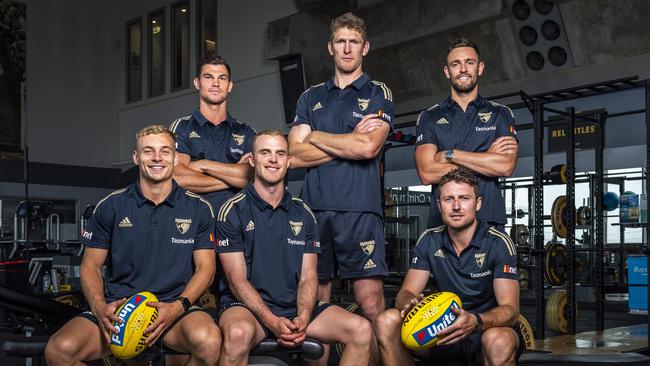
(205, 238)
(99, 229)
(229, 233)
(248, 142)
(383, 101)
(419, 254)
(424, 130)
(506, 123)
(312, 241)
(178, 127)
(302, 111)
(505, 259)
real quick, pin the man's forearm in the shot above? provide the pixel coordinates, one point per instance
(306, 155)
(403, 297)
(235, 175)
(245, 293)
(501, 316)
(197, 182)
(431, 172)
(486, 163)
(198, 284)
(92, 286)
(352, 146)
(307, 290)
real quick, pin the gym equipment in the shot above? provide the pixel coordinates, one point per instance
(556, 311)
(519, 234)
(524, 278)
(559, 216)
(526, 331)
(557, 174)
(610, 201)
(136, 316)
(555, 262)
(583, 216)
(434, 313)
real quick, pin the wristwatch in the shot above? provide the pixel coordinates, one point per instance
(479, 323)
(185, 302)
(448, 154)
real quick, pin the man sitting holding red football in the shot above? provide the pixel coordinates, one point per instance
(153, 236)
(473, 260)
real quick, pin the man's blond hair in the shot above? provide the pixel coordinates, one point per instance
(270, 132)
(351, 21)
(155, 130)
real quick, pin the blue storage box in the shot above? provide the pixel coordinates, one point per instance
(637, 274)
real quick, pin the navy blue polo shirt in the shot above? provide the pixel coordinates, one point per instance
(149, 247)
(225, 143)
(448, 127)
(491, 254)
(273, 242)
(341, 184)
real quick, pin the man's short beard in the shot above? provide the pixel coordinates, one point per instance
(462, 90)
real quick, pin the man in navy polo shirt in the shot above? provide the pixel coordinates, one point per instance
(467, 130)
(212, 146)
(338, 134)
(475, 261)
(153, 236)
(268, 244)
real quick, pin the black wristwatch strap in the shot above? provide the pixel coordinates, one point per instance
(185, 302)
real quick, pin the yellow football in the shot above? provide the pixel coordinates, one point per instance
(421, 325)
(136, 317)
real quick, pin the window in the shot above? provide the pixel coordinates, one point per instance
(207, 27)
(180, 45)
(134, 60)
(156, 29)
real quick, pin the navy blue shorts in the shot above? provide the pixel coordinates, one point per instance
(352, 240)
(227, 302)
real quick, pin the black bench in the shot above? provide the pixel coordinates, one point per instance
(267, 352)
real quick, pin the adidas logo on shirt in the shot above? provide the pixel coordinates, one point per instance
(442, 121)
(194, 135)
(125, 222)
(369, 264)
(250, 226)
(439, 253)
(317, 106)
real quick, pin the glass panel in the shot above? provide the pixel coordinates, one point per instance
(207, 27)
(157, 53)
(134, 61)
(181, 45)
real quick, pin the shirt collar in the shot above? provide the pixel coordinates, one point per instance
(200, 118)
(140, 199)
(262, 204)
(357, 84)
(476, 238)
(478, 102)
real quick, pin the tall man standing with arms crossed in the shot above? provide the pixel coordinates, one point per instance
(467, 130)
(338, 133)
(210, 142)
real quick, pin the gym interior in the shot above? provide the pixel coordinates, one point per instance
(80, 77)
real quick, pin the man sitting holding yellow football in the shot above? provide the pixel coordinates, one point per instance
(153, 236)
(476, 262)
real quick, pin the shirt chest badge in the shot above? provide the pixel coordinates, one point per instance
(363, 103)
(125, 222)
(296, 227)
(442, 121)
(239, 139)
(183, 225)
(480, 259)
(317, 106)
(194, 135)
(439, 253)
(484, 117)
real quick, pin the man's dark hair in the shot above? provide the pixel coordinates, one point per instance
(212, 59)
(462, 42)
(461, 175)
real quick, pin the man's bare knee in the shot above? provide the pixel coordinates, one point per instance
(237, 338)
(499, 345)
(387, 325)
(61, 350)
